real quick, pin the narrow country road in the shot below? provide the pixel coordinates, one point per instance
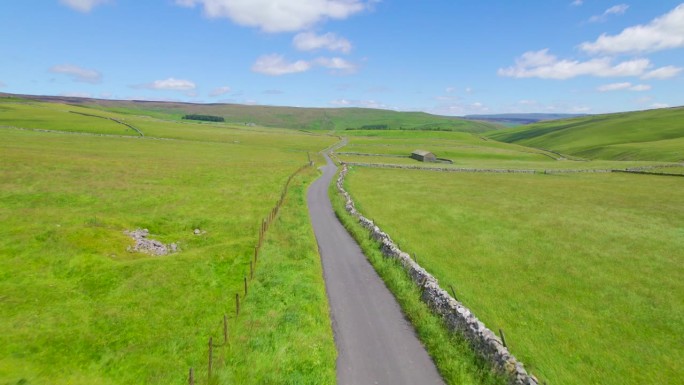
(375, 343)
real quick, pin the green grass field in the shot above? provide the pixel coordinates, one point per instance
(644, 135)
(77, 308)
(466, 151)
(281, 117)
(582, 271)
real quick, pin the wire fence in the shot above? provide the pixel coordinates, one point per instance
(222, 328)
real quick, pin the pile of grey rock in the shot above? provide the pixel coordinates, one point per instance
(149, 246)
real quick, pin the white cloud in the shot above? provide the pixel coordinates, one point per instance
(663, 73)
(361, 103)
(276, 65)
(338, 64)
(309, 41)
(577, 3)
(2, 85)
(659, 105)
(171, 84)
(541, 64)
(219, 91)
(625, 86)
(75, 94)
(456, 109)
(450, 90)
(83, 5)
(619, 9)
(278, 15)
(641, 87)
(665, 32)
(78, 74)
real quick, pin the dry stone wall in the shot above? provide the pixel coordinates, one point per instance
(443, 169)
(456, 316)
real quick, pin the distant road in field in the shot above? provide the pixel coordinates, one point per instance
(375, 343)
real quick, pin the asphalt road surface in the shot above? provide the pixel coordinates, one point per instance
(375, 343)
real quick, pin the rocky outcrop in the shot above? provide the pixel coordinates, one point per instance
(457, 317)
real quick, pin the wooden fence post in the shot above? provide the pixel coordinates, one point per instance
(503, 338)
(191, 377)
(237, 304)
(245, 286)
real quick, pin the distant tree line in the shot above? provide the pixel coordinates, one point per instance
(206, 118)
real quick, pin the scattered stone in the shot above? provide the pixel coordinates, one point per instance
(149, 246)
(197, 232)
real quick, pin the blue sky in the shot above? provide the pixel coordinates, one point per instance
(446, 57)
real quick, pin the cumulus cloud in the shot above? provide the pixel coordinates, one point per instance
(338, 65)
(276, 65)
(278, 15)
(457, 108)
(577, 3)
(219, 91)
(619, 9)
(309, 41)
(83, 5)
(541, 64)
(663, 73)
(171, 84)
(659, 105)
(361, 103)
(77, 73)
(625, 86)
(75, 94)
(664, 32)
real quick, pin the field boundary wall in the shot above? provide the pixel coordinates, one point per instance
(457, 317)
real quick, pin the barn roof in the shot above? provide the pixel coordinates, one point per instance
(422, 152)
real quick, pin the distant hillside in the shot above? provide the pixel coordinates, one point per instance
(642, 135)
(285, 117)
(518, 119)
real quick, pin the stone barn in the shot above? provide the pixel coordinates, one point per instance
(423, 156)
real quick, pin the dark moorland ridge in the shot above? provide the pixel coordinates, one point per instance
(278, 116)
(521, 118)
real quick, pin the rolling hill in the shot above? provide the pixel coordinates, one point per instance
(518, 119)
(283, 117)
(642, 135)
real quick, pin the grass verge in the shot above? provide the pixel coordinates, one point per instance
(283, 333)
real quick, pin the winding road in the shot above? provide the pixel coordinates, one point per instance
(375, 343)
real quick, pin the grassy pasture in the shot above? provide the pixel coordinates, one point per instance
(466, 151)
(583, 272)
(642, 135)
(49, 116)
(278, 116)
(77, 308)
